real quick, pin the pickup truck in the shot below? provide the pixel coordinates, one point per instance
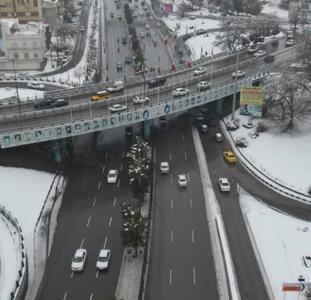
(117, 86)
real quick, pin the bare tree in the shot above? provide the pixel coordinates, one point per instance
(287, 98)
(304, 52)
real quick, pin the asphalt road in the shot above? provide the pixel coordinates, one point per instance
(181, 264)
(89, 216)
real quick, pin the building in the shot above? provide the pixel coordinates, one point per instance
(23, 10)
(23, 45)
(300, 9)
(50, 12)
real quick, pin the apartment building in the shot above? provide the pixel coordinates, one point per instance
(23, 45)
(23, 10)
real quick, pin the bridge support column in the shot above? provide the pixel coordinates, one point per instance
(146, 125)
(58, 144)
(219, 107)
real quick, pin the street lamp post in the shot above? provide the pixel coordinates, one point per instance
(16, 87)
(235, 85)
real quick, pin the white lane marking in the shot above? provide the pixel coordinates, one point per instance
(105, 243)
(110, 220)
(71, 275)
(91, 296)
(183, 138)
(186, 158)
(82, 242)
(188, 175)
(65, 296)
(97, 273)
(172, 204)
(114, 201)
(193, 272)
(171, 178)
(99, 184)
(170, 156)
(121, 167)
(172, 236)
(94, 202)
(171, 275)
(106, 155)
(192, 236)
(123, 154)
(103, 169)
(88, 221)
(190, 202)
(118, 185)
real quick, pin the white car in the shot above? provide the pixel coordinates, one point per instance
(289, 43)
(164, 167)
(224, 184)
(112, 176)
(199, 71)
(103, 259)
(35, 85)
(252, 49)
(82, 28)
(117, 108)
(180, 92)
(238, 74)
(147, 26)
(140, 99)
(78, 260)
(260, 53)
(182, 180)
(307, 261)
(203, 85)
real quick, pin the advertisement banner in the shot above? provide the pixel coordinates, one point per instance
(251, 101)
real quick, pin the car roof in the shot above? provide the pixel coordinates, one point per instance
(113, 171)
(164, 163)
(182, 176)
(224, 180)
(104, 252)
(79, 252)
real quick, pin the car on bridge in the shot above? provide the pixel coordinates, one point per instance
(141, 99)
(224, 184)
(238, 74)
(156, 82)
(50, 103)
(203, 85)
(103, 259)
(164, 167)
(200, 71)
(260, 53)
(229, 157)
(35, 85)
(112, 176)
(115, 108)
(78, 260)
(180, 92)
(101, 95)
(182, 180)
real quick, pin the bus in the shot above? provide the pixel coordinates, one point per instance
(102, 95)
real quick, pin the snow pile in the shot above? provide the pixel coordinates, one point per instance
(24, 94)
(272, 8)
(282, 241)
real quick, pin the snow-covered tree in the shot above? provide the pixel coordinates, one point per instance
(287, 98)
(304, 52)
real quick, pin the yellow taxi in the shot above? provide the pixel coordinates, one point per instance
(229, 157)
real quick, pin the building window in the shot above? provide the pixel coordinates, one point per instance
(24, 45)
(15, 55)
(26, 55)
(35, 3)
(35, 55)
(28, 14)
(8, 5)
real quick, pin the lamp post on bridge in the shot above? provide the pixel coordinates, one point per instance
(235, 84)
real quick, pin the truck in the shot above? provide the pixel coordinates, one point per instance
(117, 86)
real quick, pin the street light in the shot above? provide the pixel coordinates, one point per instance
(235, 84)
(16, 87)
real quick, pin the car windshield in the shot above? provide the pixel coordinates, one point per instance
(224, 183)
(112, 174)
(77, 259)
(102, 258)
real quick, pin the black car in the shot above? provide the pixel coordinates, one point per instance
(269, 59)
(44, 104)
(156, 82)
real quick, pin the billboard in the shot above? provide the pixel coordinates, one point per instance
(251, 101)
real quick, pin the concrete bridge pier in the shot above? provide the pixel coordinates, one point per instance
(219, 107)
(57, 146)
(146, 129)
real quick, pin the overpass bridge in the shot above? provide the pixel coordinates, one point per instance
(46, 125)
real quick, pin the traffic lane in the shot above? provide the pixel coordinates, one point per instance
(248, 275)
(71, 234)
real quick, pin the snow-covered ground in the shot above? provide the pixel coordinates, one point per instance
(282, 241)
(24, 94)
(285, 158)
(272, 8)
(22, 193)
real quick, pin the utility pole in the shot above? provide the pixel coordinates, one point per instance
(235, 85)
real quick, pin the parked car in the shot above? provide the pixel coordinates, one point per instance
(164, 167)
(238, 74)
(35, 85)
(128, 60)
(180, 92)
(60, 102)
(229, 157)
(259, 53)
(78, 260)
(224, 184)
(199, 71)
(204, 128)
(182, 180)
(203, 85)
(140, 99)
(269, 58)
(119, 66)
(103, 260)
(112, 176)
(117, 108)
(82, 28)
(156, 82)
